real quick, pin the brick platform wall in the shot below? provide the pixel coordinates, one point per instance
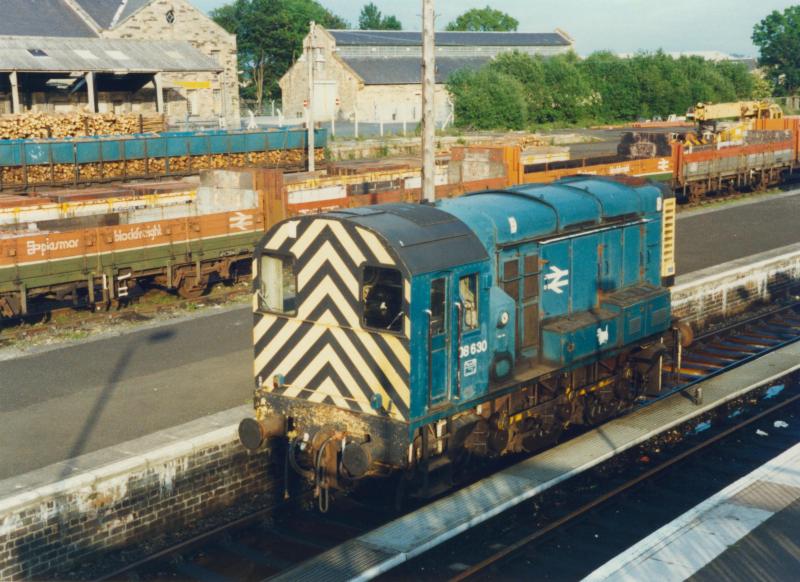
(117, 504)
(727, 290)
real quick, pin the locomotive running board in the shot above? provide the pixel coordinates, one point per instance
(380, 550)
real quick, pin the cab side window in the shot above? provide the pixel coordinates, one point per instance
(468, 291)
(277, 285)
(438, 302)
(382, 299)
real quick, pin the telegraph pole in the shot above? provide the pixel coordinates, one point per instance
(428, 110)
(310, 45)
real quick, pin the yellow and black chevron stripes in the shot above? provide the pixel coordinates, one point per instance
(323, 354)
(331, 364)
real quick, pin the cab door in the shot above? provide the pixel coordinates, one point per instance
(442, 334)
(520, 272)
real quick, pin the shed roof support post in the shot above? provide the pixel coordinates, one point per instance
(15, 102)
(158, 83)
(91, 91)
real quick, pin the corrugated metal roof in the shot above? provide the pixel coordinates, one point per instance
(41, 18)
(403, 38)
(101, 11)
(101, 54)
(406, 70)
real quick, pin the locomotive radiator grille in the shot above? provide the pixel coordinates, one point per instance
(322, 353)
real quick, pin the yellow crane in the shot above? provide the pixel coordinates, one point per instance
(728, 122)
(741, 110)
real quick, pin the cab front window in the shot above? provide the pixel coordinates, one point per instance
(277, 285)
(382, 297)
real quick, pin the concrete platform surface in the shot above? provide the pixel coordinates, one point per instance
(61, 403)
(748, 531)
(380, 550)
(708, 237)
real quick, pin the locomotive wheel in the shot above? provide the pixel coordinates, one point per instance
(627, 391)
(596, 411)
(193, 288)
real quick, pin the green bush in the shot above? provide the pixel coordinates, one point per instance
(516, 90)
(488, 99)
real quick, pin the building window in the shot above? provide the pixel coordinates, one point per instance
(382, 296)
(278, 285)
(192, 106)
(468, 291)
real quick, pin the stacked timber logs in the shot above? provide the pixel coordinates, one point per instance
(38, 175)
(42, 125)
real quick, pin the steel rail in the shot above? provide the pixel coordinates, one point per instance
(519, 544)
(198, 539)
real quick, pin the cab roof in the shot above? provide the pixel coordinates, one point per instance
(425, 238)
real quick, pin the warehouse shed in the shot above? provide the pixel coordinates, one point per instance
(374, 76)
(103, 74)
(117, 56)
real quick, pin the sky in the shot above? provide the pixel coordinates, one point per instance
(616, 25)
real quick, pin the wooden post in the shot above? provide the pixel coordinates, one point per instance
(15, 102)
(310, 46)
(159, 86)
(91, 91)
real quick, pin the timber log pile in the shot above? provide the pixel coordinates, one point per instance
(43, 125)
(18, 176)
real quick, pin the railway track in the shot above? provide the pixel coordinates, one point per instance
(592, 518)
(259, 545)
(69, 320)
(276, 539)
(728, 347)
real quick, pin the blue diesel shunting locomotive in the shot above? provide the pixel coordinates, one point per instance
(402, 336)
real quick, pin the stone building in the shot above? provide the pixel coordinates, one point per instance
(375, 75)
(206, 89)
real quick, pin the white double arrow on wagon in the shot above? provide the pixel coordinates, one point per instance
(556, 279)
(240, 221)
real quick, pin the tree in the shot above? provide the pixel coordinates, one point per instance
(484, 19)
(603, 88)
(270, 37)
(372, 19)
(778, 40)
(488, 99)
(762, 89)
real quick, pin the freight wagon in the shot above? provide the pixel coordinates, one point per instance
(764, 159)
(96, 249)
(92, 246)
(26, 163)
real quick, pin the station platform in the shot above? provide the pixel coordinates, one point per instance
(379, 551)
(116, 387)
(748, 531)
